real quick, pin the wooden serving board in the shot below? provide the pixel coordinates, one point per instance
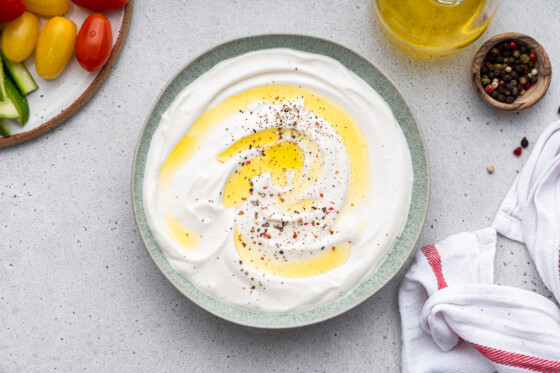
(58, 99)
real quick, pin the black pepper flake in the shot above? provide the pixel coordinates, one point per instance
(524, 142)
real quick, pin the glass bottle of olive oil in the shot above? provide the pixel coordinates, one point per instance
(435, 25)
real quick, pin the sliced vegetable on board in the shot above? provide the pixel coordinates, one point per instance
(20, 75)
(94, 42)
(11, 10)
(55, 47)
(100, 6)
(19, 37)
(2, 83)
(47, 7)
(4, 129)
(17, 99)
(8, 110)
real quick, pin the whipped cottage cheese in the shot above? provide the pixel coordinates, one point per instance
(278, 181)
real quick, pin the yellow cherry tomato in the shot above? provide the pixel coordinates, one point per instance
(46, 7)
(55, 47)
(19, 37)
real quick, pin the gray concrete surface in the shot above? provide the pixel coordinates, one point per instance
(78, 291)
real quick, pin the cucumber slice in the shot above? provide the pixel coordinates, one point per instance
(4, 129)
(8, 109)
(20, 75)
(19, 101)
(2, 89)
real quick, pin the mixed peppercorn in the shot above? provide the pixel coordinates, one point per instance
(509, 71)
(524, 144)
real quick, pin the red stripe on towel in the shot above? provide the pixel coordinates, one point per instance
(512, 359)
(432, 255)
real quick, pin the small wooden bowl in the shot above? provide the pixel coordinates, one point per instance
(535, 93)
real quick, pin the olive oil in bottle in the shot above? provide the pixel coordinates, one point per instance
(435, 25)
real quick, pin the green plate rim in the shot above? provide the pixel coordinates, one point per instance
(375, 78)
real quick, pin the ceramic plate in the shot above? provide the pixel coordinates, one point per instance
(374, 77)
(56, 100)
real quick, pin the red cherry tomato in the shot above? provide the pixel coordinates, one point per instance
(11, 10)
(94, 42)
(100, 6)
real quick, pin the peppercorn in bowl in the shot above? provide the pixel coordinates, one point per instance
(511, 72)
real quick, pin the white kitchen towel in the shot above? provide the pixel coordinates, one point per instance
(455, 320)
(530, 212)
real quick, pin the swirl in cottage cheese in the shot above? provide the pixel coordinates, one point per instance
(278, 181)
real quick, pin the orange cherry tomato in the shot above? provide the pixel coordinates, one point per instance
(94, 42)
(55, 47)
(100, 6)
(19, 37)
(46, 7)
